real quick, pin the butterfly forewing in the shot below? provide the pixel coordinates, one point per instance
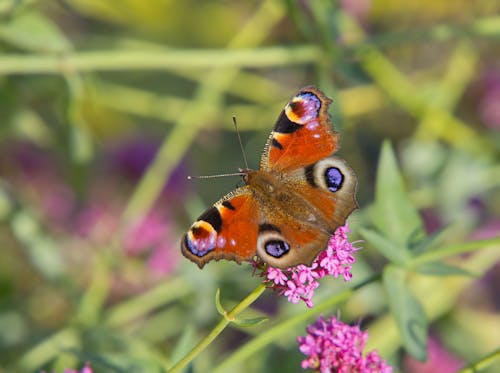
(302, 134)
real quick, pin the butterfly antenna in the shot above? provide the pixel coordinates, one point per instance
(239, 140)
(214, 176)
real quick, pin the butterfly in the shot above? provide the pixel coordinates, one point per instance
(288, 209)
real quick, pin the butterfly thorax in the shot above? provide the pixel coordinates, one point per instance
(273, 192)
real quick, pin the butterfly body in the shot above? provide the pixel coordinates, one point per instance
(288, 208)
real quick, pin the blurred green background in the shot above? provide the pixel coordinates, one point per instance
(107, 106)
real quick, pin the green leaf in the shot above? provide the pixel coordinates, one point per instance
(442, 269)
(184, 344)
(218, 304)
(394, 253)
(429, 241)
(34, 32)
(6, 202)
(408, 312)
(393, 213)
(251, 321)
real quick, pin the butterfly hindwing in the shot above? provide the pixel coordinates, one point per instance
(329, 185)
(322, 196)
(284, 242)
(227, 230)
(303, 133)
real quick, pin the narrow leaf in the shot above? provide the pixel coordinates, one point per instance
(218, 305)
(394, 253)
(250, 322)
(393, 213)
(35, 32)
(184, 344)
(442, 269)
(408, 312)
(429, 242)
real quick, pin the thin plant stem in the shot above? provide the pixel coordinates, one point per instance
(223, 323)
(455, 249)
(482, 363)
(123, 59)
(276, 332)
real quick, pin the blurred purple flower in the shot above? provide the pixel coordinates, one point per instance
(489, 109)
(298, 283)
(332, 346)
(132, 157)
(431, 219)
(485, 291)
(28, 158)
(439, 360)
(36, 172)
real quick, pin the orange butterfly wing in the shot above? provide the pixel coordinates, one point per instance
(290, 207)
(227, 230)
(302, 135)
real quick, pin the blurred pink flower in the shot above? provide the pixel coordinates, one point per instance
(164, 258)
(85, 369)
(96, 222)
(152, 235)
(93, 217)
(358, 9)
(439, 359)
(332, 346)
(488, 230)
(489, 109)
(145, 234)
(298, 283)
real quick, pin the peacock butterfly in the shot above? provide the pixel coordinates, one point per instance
(288, 208)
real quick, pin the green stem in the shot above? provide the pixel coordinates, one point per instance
(231, 315)
(482, 363)
(488, 27)
(171, 59)
(455, 249)
(277, 332)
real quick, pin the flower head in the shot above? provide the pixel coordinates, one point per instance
(332, 346)
(298, 283)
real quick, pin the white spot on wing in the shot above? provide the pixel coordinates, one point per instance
(221, 242)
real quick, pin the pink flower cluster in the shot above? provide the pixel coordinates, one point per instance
(332, 346)
(298, 283)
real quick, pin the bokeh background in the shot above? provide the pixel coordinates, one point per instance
(107, 106)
